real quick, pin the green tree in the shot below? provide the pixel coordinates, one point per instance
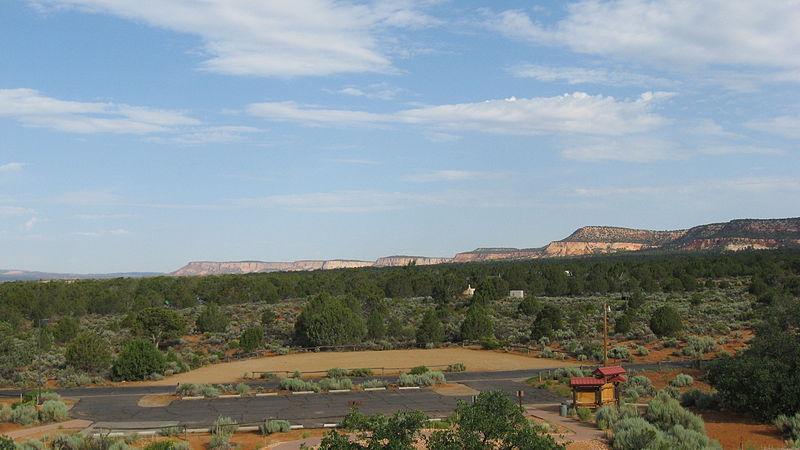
(666, 321)
(327, 320)
(547, 321)
(376, 328)
(477, 324)
(252, 339)
(138, 360)
(430, 330)
(530, 306)
(66, 330)
(397, 432)
(159, 324)
(212, 319)
(268, 318)
(88, 352)
(492, 422)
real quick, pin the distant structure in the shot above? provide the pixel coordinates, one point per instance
(598, 390)
(516, 294)
(469, 292)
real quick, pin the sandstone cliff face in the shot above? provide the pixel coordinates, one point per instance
(398, 261)
(561, 248)
(488, 254)
(735, 235)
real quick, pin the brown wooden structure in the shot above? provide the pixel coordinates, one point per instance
(598, 390)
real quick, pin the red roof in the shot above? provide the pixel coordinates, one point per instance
(618, 379)
(609, 371)
(586, 381)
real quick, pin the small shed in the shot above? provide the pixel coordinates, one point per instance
(598, 390)
(516, 294)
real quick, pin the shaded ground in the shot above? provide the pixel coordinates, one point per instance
(735, 430)
(475, 361)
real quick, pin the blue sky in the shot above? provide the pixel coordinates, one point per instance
(138, 135)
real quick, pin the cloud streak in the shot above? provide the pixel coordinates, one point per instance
(275, 38)
(36, 110)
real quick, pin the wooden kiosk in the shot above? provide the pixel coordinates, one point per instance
(598, 390)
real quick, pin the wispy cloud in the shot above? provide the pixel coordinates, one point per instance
(569, 113)
(741, 149)
(276, 38)
(671, 31)
(210, 135)
(33, 109)
(365, 162)
(11, 167)
(452, 175)
(750, 184)
(93, 234)
(14, 211)
(28, 226)
(102, 216)
(578, 75)
(637, 149)
(787, 126)
(377, 91)
(372, 201)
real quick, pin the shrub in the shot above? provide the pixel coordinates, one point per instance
(680, 437)
(665, 412)
(335, 384)
(243, 389)
(363, 372)
(698, 346)
(252, 339)
(31, 444)
(207, 391)
(161, 445)
(336, 373)
(700, 399)
(665, 321)
(457, 367)
(682, 380)
(671, 391)
(6, 443)
(373, 384)
(425, 379)
(224, 426)
(619, 352)
(220, 442)
(789, 425)
(606, 417)
(642, 350)
(66, 442)
(476, 324)
(53, 411)
(298, 385)
(138, 360)
(328, 321)
(88, 352)
(24, 414)
(5, 414)
(49, 395)
(274, 426)
(68, 378)
(640, 385)
(212, 319)
(584, 414)
(169, 431)
(635, 433)
(419, 370)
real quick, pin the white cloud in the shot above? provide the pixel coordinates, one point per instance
(102, 216)
(452, 175)
(30, 223)
(33, 109)
(11, 167)
(787, 126)
(365, 162)
(741, 149)
(628, 149)
(276, 38)
(213, 135)
(578, 75)
(116, 232)
(370, 201)
(569, 113)
(14, 211)
(725, 32)
(749, 185)
(377, 91)
(709, 127)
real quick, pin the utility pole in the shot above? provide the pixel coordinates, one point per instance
(605, 334)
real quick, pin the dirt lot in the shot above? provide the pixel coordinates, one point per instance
(734, 430)
(475, 361)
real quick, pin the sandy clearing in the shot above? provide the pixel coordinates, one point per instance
(455, 389)
(475, 360)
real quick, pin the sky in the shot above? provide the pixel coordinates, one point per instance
(138, 135)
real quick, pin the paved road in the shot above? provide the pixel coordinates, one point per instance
(120, 404)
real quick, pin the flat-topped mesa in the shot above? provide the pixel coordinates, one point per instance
(489, 253)
(741, 234)
(649, 238)
(241, 267)
(401, 260)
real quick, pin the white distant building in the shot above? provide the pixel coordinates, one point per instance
(469, 292)
(516, 294)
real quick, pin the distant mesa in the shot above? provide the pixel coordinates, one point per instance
(741, 234)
